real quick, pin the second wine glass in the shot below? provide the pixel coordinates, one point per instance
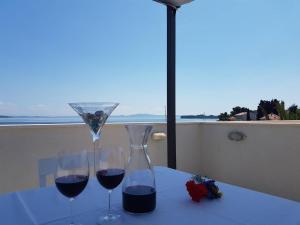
(110, 171)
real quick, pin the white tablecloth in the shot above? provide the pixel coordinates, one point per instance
(238, 206)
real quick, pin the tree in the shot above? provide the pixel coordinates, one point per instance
(281, 110)
(238, 109)
(224, 116)
(292, 112)
(293, 109)
(267, 107)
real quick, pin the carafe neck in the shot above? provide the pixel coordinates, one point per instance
(138, 135)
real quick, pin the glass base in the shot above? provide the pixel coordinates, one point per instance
(112, 218)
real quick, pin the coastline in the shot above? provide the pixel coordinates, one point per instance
(78, 120)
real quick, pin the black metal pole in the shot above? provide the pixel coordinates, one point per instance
(171, 85)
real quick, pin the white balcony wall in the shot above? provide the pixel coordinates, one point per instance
(21, 147)
(268, 160)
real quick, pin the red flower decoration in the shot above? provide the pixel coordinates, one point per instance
(196, 191)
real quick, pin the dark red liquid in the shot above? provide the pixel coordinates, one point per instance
(110, 178)
(72, 185)
(139, 199)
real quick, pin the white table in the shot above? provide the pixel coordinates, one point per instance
(238, 206)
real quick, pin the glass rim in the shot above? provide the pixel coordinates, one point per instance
(73, 151)
(110, 148)
(94, 103)
(138, 124)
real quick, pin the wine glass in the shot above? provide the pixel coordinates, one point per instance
(110, 171)
(72, 175)
(94, 114)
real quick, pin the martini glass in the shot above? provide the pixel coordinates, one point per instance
(94, 114)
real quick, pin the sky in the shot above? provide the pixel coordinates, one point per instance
(229, 53)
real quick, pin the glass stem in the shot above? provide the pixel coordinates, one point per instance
(109, 197)
(71, 211)
(96, 143)
(94, 156)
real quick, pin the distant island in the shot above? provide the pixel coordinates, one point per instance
(201, 116)
(1, 116)
(139, 115)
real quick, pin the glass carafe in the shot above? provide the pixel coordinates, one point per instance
(139, 190)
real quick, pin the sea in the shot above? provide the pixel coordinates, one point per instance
(77, 120)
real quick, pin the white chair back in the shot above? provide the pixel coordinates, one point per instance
(47, 169)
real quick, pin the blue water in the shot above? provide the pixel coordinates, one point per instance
(77, 119)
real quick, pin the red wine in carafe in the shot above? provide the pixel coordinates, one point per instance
(139, 199)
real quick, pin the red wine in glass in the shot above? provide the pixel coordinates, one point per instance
(71, 185)
(110, 178)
